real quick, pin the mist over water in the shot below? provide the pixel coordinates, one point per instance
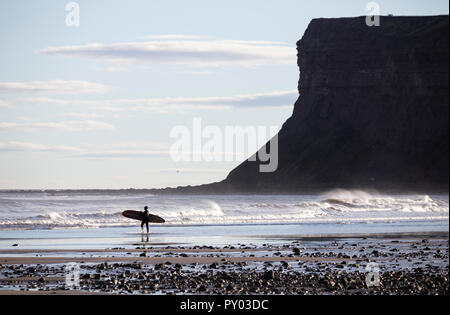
(45, 210)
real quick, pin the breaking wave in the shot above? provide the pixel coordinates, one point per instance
(45, 211)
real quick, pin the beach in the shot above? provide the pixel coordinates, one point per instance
(404, 263)
(346, 243)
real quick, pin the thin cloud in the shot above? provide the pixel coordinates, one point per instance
(81, 125)
(4, 104)
(187, 52)
(188, 170)
(118, 150)
(174, 36)
(135, 145)
(274, 99)
(125, 150)
(179, 104)
(82, 115)
(124, 154)
(54, 87)
(16, 146)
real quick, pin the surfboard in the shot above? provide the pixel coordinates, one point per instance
(138, 215)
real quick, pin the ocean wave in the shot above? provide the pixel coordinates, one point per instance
(337, 206)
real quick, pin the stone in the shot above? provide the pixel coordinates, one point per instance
(372, 111)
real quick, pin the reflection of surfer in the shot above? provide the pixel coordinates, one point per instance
(144, 219)
(144, 240)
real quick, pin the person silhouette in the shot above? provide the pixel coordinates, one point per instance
(144, 219)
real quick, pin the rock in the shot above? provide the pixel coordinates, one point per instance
(372, 112)
(284, 264)
(269, 275)
(366, 97)
(178, 266)
(85, 276)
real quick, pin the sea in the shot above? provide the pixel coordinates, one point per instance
(93, 218)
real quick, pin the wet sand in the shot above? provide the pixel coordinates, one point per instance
(416, 263)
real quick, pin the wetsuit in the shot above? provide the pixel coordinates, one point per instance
(145, 219)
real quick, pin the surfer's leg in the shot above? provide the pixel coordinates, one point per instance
(142, 226)
(146, 223)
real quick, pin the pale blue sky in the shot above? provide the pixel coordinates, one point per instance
(73, 115)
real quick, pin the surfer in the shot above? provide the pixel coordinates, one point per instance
(144, 216)
(144, 219)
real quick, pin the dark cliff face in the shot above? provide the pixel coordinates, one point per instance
(372, 112)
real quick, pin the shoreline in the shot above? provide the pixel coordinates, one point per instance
(399, 235)
(158, 260)
(409, 263)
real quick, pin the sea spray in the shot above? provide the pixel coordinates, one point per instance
(75, 210)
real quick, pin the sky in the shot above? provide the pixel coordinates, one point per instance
(93, 106)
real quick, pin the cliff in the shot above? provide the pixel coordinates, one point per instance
(372, 111)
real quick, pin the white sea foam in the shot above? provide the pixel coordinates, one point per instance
(75, 210)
